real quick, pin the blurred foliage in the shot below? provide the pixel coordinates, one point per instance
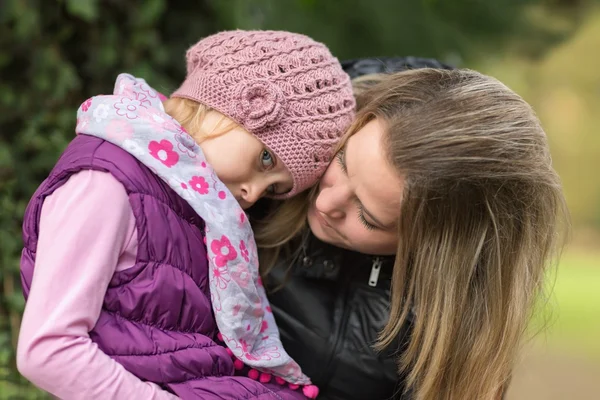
(56, 53)
(564, 89)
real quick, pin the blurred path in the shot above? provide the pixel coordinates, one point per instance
(550, 375)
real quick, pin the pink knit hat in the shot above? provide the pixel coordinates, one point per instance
(284, 88)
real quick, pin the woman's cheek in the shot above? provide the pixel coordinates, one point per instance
(358, 234)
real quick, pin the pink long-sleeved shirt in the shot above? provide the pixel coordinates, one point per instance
(87, 232)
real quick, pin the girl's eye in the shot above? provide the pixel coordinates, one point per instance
(271, 190)
(266, 159)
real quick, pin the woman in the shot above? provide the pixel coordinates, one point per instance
(412, 270)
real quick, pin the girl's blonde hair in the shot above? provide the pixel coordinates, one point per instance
(191, 115)
(482, 217)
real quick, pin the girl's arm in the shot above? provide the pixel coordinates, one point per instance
(85, 226)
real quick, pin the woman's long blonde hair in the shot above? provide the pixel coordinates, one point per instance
(482, 217)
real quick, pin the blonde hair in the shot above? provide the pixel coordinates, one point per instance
(191, 115)
(482, 217)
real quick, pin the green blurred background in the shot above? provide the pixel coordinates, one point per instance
(54, 54)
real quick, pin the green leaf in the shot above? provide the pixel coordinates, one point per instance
(150, 12)
(84, 9)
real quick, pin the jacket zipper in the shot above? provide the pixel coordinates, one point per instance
(375, 268)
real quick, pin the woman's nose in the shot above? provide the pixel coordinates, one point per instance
(333, 201)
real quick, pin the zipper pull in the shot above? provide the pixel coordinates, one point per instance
(374, 277)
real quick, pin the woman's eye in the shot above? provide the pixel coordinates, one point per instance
(363, 220)
(366, 223)
(266, 159)
(341, 161)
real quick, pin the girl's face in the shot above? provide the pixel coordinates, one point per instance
(359, 198)
(243, 163)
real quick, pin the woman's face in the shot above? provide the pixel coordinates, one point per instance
(358, 202)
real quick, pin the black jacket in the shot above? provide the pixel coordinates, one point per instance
(329, 312)
(332, 306)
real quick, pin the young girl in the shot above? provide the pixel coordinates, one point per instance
(137, 252)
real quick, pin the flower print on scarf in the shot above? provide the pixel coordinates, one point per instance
(185, 143)
(163, 152)
(125, 87)
(253, 252)
(271, 352)
(199, 184)
(268, 352)
(86, 104)
(128, 108)
(223, 250)
(82, 123)
(264, 326)
(143, 99)
(148, 90)
(215, 300)
(119, 130)
(258, 312)
(220, 277)
(244, 251)
(181, 188)
(159, 121)
(245, 353)
(155, 119)
(162, 98)
(241, 275)
(233, 344)
(292, 369)
(133, 148)
(232, 305)
(100, 112)
(213, 213)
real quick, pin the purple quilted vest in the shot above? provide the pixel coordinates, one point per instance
(163, 302)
